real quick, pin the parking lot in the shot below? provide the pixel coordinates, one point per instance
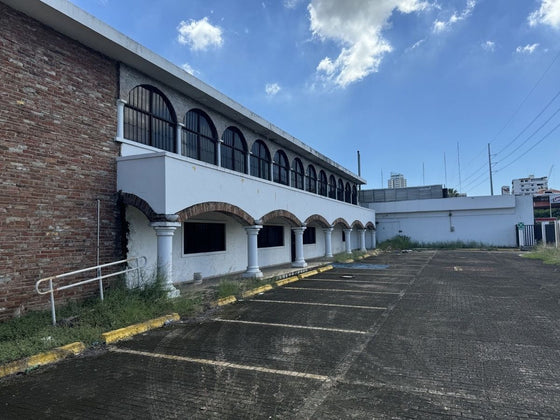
(450, 334)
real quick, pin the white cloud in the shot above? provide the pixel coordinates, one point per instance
(527, 49)
(291, 4)
(444, 25)
(187, 67)
(357, 26)
(489, 46)
(272, 89)
(547, 14)
(199, 34)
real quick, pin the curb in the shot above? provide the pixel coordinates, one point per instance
(41, 359)
(225, 301)
(256, 291)
(126, 332)
(287, 280)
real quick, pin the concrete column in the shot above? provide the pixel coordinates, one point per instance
(219, 152)
(179, 141)
(252, 252)
(363, 240)
(164, 233)
(543, 232)
(298, 233)
(120, 118)
(249, 163)
(373, 239)
(328, 241)
(348, 237)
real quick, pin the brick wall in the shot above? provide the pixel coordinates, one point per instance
(57, 157)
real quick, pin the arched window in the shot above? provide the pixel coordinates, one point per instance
(354, 195)
(348, 193)
(234, 150)
(199, 137)
(332, 187)
(340, 190)
(297, 174)
(149, 118)
(280, 168)
(322, 183)
(260, 160)
(311, 179)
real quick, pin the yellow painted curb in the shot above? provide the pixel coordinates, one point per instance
(308, 273)
(256, 291)
(348, 261)
(287, 280)
(41, 359)
(116, 335)
(325, 268)
(226, 301)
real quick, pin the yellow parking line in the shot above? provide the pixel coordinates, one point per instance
(379, 308)
(301, 327)
(369, 292)
(357, 281)
(221, 364)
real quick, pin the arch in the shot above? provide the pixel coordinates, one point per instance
(341, 221)
(260, 160)
(348, 193)
(218, 207)
(357, 224)
(370, 225)
(233, 151)
(311, 178)
(354, 194)
(318, 219)
(199, 137)
(280, 168)
(135, 201)
(149, 118)
(282, 214)
(323, 185)
(332, 187)
(340, 190)
(297, 174)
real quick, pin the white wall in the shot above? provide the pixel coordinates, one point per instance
(490, 220)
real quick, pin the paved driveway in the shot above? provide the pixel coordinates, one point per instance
(434, 334)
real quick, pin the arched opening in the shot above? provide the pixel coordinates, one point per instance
(199, 137)
(260, 160)
(280, 168)
(233, 150)
(297, 174)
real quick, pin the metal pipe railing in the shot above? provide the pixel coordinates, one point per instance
(139, 261)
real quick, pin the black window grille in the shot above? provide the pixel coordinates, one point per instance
(199, 137)
(323, 183)
(340, 190)
(309, 235)
(234, 150)
(149, 118)
(280, 168)
(260, 160)
(204, 237)
(297, 174)
(354, 195)
(332, 187)
(311, 179)
(348, 193)
(270, 236)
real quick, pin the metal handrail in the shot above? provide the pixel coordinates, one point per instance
(140, 263)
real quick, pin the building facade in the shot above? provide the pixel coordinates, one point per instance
(184, 176)
(396, 181)
(529, 185)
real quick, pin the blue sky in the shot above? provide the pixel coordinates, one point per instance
(418, 87)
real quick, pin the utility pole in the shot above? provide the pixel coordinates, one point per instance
(459, 166)
(445, 168)
(359, 171)
(490, 169)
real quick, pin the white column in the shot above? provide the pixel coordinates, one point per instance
(373, 239)
(249, 163)
(328, 241)
(120, 118)
(252, 252)
(363, 240)
(164, 233)
(179, 141)
(219, 152)
(348, 237)
(298, 233)
(543, 232)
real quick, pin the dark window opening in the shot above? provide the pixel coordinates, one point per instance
(343, 236)
(234, 151)
(348, 193)
(354, 195)
(270, 236)
(297, 174)
(332, 187)
(204, 237)
(280, 168)
(260, 160)
(323, 184)
(309, 236)
(199, 137)
(340, 191)
(311, 179)
(149, 118)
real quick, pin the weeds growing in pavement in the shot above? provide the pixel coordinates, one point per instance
(401, 242)
(548, 254)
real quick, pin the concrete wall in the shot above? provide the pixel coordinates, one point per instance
(490, 220)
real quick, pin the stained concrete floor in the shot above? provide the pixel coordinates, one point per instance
(437, 334)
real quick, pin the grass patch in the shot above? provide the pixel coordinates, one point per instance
(85, 321)
(401, 242)
(549, 255)
(228, 288)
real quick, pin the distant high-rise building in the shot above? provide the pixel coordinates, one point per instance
(529, 185)
(396, 181)
(506, 190)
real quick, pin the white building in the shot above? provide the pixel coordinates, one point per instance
(529, 185)
(396, 181)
